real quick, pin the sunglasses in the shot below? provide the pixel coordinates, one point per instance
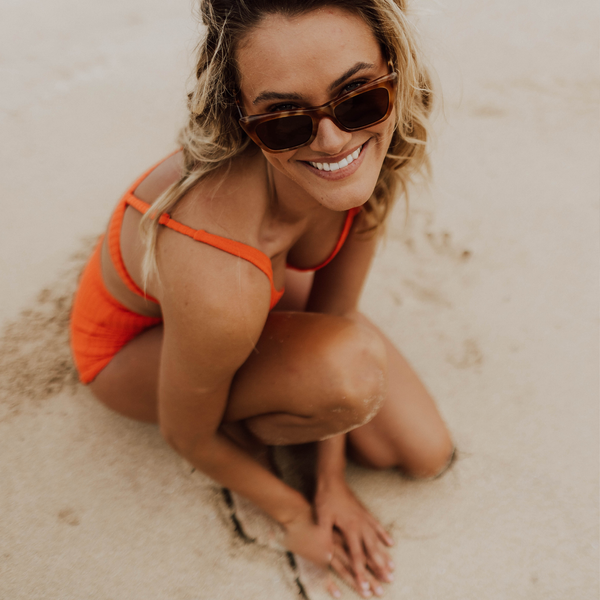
(368, 105)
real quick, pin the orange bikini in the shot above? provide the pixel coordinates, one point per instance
(101, 326)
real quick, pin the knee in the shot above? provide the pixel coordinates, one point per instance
(433, 460)
(356, 363)
(430, 459)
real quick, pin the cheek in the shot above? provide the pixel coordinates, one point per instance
(278, 161)
(386, 133)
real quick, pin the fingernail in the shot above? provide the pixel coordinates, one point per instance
(337, 594)
(391, 565)
(365, 585)
(389, 577)
(367, 594)
(379, 590)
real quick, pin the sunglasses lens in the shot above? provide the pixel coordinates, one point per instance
(364, 109)
(287, 132)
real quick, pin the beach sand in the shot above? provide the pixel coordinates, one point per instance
(490, 290)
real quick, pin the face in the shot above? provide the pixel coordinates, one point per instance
(305, 62)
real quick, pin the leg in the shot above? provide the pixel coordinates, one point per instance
(408, 431)
(311, 376)
(129, 382)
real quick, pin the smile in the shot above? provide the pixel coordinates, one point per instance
(324, 166)
(344, 167)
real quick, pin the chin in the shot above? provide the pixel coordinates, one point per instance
(351, 196)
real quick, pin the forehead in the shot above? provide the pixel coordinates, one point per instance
(294, 54)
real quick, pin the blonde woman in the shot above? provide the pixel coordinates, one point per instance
(222, 301)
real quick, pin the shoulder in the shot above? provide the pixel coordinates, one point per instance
(214, 303)
(214, 307)
(213, 268)
(160, 178)
(199, 283)
(232, 178)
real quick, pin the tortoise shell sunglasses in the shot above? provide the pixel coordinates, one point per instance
(368, 105)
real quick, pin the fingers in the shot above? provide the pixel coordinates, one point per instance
(375, 547)
(342, 566)
(383, 535)
(333, 589)
(358, 560)
(367, 581)
(343, 571)
(374, 563)
(378, 560)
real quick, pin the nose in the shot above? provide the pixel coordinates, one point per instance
(330, 139)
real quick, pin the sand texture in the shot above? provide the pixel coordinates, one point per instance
(490, 289)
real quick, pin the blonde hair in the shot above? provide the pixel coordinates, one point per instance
(212, 136)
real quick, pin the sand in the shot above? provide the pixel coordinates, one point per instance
(491, 290)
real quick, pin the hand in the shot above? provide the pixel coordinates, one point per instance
(360, 557)
(304, 537)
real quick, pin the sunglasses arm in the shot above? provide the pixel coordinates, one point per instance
(237, 105)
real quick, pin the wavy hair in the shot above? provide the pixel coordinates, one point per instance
(212, 136)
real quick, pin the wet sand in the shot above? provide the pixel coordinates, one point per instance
(490, 289)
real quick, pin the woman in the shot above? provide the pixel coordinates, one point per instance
(306, 118)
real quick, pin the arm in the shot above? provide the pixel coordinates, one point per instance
(336, 290)
(212, 321)
(337, 287)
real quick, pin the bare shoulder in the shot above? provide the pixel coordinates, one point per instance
(160, 178)
(230, 180)
(214, 304)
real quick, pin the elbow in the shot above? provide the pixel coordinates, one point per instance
(192, 448)
(173, 438)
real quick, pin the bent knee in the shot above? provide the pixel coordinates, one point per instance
(357, 364)
(429, 461)
(432, 462)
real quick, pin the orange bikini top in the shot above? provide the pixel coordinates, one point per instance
(239, 249)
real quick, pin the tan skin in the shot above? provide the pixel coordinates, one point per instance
(223, 376)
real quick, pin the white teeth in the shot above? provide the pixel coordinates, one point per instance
(338, 165)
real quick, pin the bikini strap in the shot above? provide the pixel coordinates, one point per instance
(343, 235)
(239, 249)
(114, 234)
(114, 249)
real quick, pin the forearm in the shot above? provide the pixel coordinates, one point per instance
(225, 462)
(331, 458)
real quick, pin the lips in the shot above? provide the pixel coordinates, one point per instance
(334, 166)
(345, 165)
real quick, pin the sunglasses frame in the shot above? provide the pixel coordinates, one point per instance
(316, 114)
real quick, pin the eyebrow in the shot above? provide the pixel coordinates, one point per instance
(359, 66)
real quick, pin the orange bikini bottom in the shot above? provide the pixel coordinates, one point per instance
(100, 325)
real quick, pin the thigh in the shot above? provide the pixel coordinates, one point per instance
(129, 382)
(306, 365)
(408, 432)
